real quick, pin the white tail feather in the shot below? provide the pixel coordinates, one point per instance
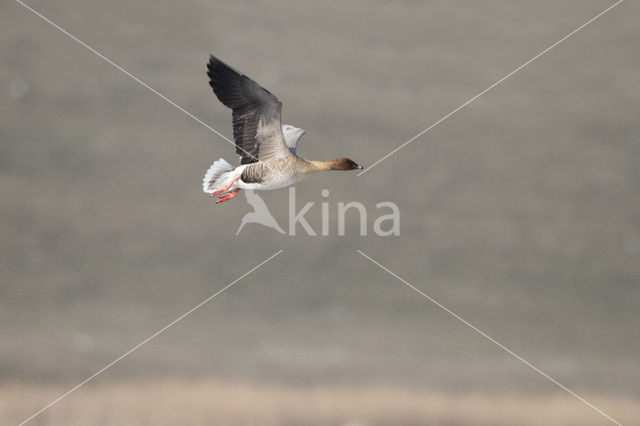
(215, 175)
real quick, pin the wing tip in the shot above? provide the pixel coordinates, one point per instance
(216, 65)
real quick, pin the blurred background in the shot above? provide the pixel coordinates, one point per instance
(521, 213)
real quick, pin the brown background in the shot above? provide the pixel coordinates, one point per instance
(521, 213)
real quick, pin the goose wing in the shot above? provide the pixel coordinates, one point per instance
(291, 136)
(257, 127)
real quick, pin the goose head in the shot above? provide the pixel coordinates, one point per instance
(344, 164)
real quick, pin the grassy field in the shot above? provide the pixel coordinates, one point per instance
(214, 403)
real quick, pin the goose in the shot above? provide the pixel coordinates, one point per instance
(267, 149)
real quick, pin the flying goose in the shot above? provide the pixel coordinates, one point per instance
(267, 149)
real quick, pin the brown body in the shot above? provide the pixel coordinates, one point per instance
(286, 171)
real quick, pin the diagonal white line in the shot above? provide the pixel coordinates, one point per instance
(491, 87)
(150, 337)
(497, 343)
(128, 74)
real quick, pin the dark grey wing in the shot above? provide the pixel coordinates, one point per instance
(257, 128)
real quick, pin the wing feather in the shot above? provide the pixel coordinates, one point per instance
(257, 128)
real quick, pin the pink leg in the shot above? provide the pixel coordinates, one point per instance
(226, 187)
(227, 196)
